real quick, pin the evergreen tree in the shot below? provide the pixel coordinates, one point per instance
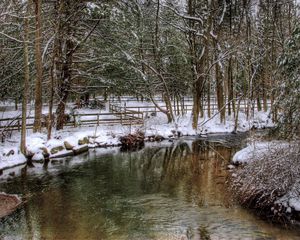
(289, 89)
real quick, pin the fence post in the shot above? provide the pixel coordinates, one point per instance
(74, 117)
(98, 118)
(19, 126)
(121, 118)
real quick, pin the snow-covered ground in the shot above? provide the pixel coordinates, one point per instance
(256, 150)
(10, 113)
(65, 141)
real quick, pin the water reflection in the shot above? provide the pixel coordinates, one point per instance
(170, 192)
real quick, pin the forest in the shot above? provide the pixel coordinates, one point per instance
(162, 69)
(231, 50)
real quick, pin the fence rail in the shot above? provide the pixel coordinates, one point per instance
(125, 115)
(81, 119)
(184, 108)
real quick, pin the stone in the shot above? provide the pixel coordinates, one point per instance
(68, 145)
(83, 141)
(56, 149)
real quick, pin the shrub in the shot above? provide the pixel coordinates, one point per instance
(267, 178)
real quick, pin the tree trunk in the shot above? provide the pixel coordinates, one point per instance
(197, 96)
(236, 120)
(168, 103)
(39, 68)
(65, 85)
(26, 82)
(220, 93)
(65, 61)
(208, 100)
(230, 88)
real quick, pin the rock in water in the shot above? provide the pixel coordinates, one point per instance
(8, 204)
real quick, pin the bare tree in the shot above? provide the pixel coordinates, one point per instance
(26, 79)
(39, 67)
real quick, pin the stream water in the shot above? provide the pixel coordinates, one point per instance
(164, 191)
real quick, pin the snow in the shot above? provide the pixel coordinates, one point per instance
(81, 146)
(256, 150)
(62, 153)
(291, 200)
(11, 157)
(206, 125)
(38, 156)
(35, 142)
(247, 154)
(71, 140)
(53, 143)
(108, 135)
(295, 203)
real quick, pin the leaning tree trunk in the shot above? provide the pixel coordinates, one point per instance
(39, 68)
(170, 114)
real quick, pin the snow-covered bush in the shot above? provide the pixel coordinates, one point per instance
(268, 179)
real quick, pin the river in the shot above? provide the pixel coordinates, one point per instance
(164, 191)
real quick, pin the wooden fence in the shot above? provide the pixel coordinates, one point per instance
(118, 114)
(181, 108)
(75, 120)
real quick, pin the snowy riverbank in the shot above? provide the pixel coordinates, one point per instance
(70, 141)
(268, 179)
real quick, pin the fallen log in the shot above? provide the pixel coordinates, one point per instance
(132, 141)
(80, 149)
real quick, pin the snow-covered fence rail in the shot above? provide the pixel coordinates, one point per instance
(6, 129)
(126, 112)
(106, 118)
(74, 120)
(116, 99)
(185, 108)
